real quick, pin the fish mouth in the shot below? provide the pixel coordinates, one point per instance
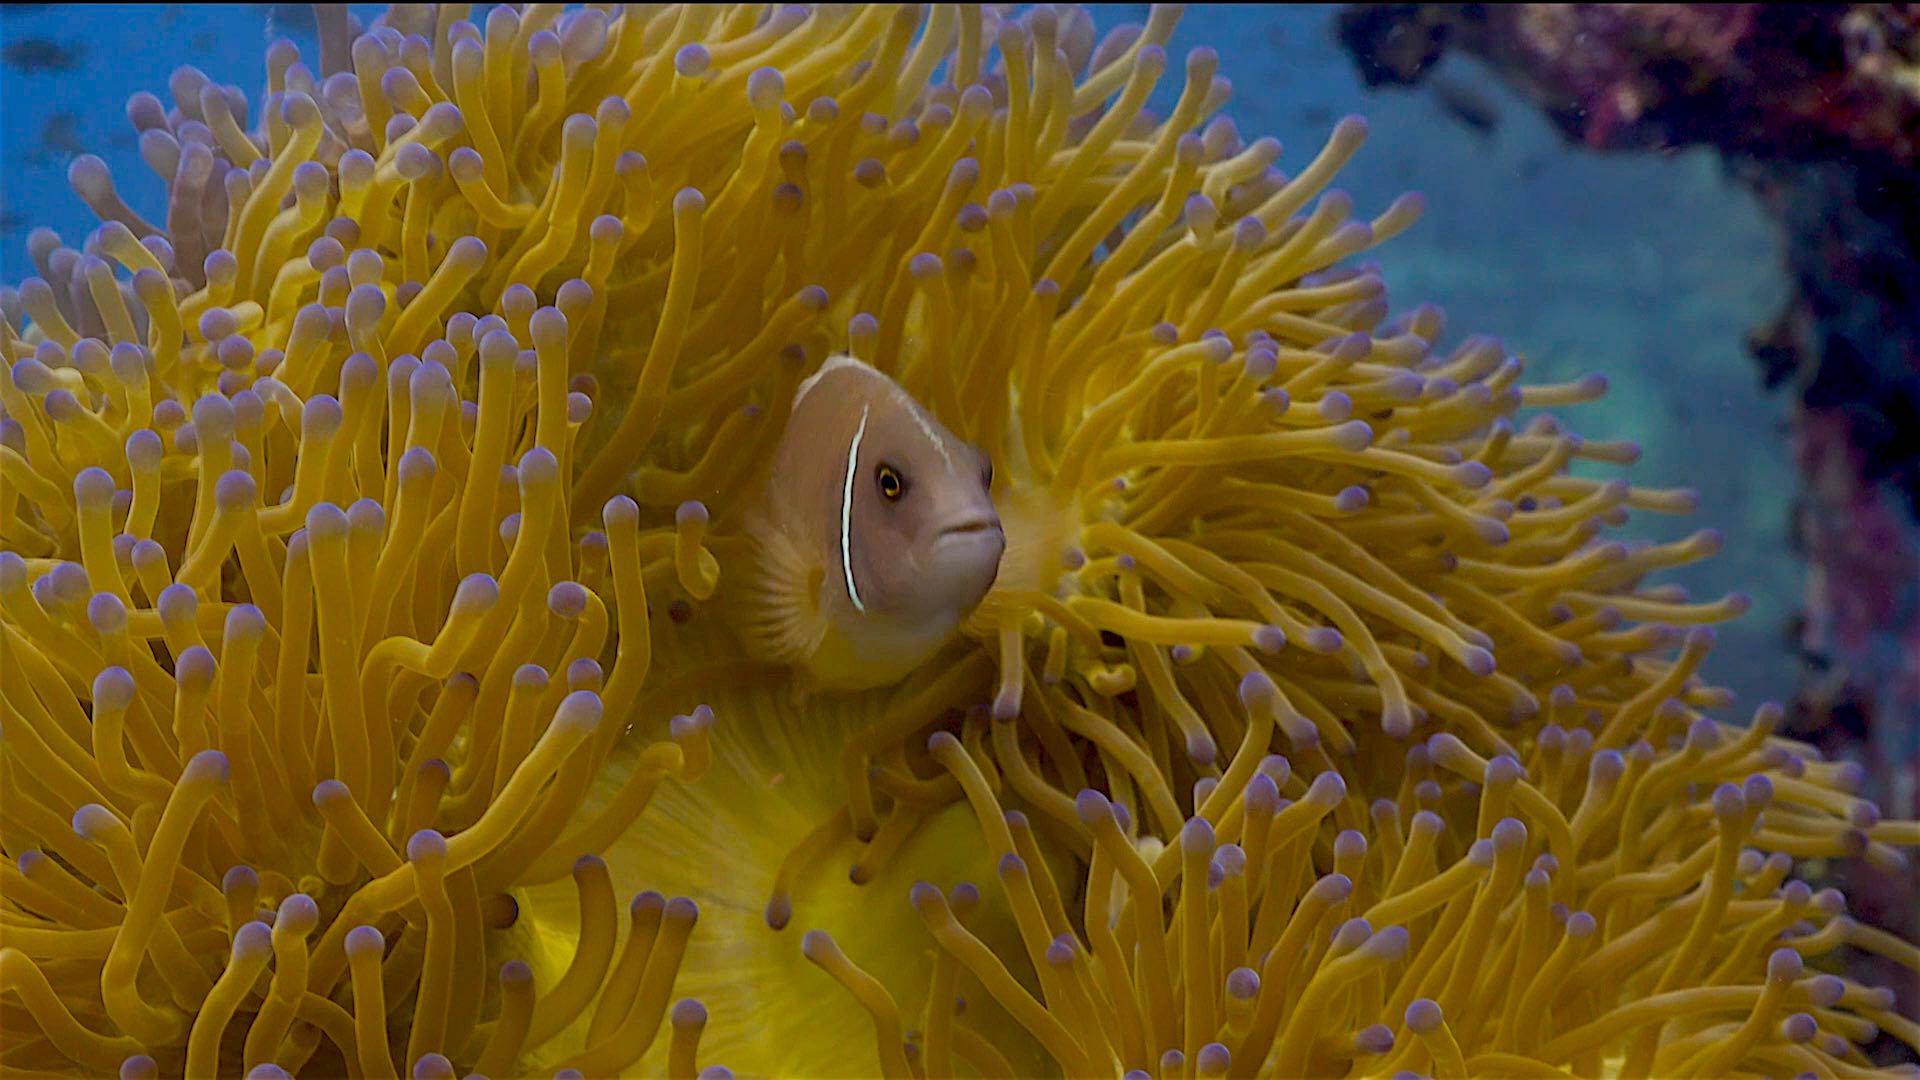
(974, 539)
(972, 527)
(966, 557)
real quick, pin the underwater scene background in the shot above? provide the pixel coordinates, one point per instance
(1649, 269)
(1580, 204)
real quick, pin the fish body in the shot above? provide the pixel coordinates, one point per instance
(874, 536)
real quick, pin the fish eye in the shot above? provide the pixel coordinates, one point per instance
(891, 484)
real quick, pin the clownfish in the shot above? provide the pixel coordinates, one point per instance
(873, 538)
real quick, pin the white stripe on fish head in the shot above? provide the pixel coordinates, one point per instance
(839, 360)
(846, 510)
(926, 426)
(833, 363)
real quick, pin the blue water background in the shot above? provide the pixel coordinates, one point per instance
(1647, 267)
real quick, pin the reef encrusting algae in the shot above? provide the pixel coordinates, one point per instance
(307, 502)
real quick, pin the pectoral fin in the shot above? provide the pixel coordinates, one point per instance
(779, 613)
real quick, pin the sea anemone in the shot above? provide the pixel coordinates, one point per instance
(1258, 948)
(490, 328)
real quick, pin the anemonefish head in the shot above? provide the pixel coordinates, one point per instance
(917, 534)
